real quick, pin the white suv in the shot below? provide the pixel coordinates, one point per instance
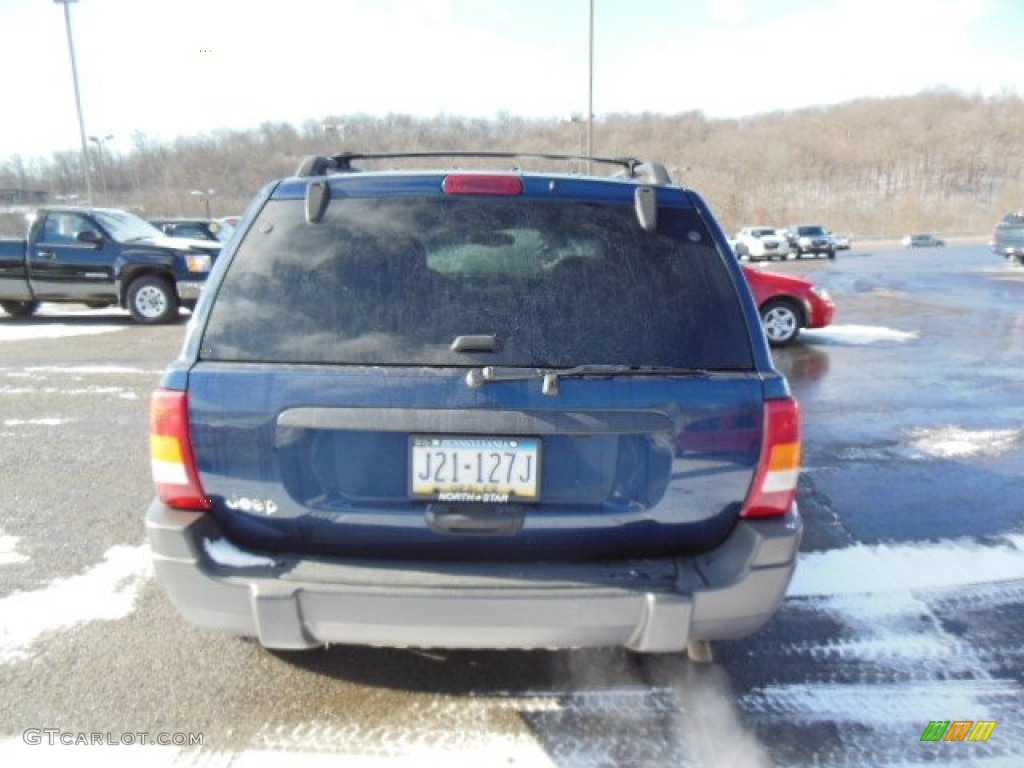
(756, 243)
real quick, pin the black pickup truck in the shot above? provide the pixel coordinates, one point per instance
(102, 257)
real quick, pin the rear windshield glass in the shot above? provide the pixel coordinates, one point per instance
(396, 281)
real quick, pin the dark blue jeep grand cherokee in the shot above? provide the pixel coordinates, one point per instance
(476, 409)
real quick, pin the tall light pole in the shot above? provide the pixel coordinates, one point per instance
(100, 162)
(78, 97)
(206, 197)
(590, 90)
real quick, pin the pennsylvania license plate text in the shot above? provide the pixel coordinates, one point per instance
(475, 469)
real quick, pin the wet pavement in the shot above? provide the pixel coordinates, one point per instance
(907, 606)
(914, 400)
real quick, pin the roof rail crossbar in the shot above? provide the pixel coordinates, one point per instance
(318, 165)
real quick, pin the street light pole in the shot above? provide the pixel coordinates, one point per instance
(206, 197)
(101, 163)
(78, 97)
(590, 91)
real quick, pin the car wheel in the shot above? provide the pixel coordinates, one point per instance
(152, 300)
(20, 308)
(781, 322)
(831, 254)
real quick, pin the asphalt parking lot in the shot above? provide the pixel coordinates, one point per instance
(907, 607)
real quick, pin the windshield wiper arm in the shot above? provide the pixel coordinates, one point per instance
(477, 377)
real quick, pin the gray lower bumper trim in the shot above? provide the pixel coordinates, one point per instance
(189, 290)
(730, 592)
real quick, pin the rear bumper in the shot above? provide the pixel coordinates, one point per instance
(650, 606)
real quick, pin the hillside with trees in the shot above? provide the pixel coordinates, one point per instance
(939, 161)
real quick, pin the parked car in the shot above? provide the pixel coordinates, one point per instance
(810, 239)
(841, 242)
(476, 409)
(211, 230)
(922, 241)
(101, 257)
(788, 304)
(1008, 237)
(759, 243)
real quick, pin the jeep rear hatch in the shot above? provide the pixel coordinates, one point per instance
(479, 376)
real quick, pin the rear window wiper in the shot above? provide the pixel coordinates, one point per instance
(477, 377)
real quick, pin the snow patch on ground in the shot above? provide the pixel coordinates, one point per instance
(957, 443)
(15, 752)
(35, 422)
(224, 552)
(52, 331)
(885, 705)
(105, 592)
(87, 369)
(942, 442)
(463, 744)
(22, 375)
(901, 567)
(856, 335)
(51, 309)
(891, 293)
(121, 392)
(20, 380)
(894, 661)
(8, 545)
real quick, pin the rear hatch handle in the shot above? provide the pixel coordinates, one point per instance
(472, 519)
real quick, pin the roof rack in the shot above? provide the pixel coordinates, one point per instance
(321, 165)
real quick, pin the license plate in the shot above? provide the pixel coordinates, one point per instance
(493, 470)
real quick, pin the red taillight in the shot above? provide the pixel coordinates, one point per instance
(778, 470)
(170, 452)
(482, 184)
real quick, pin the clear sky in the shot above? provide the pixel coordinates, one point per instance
(184, 67)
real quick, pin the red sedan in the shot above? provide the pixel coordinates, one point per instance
(788, 304)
